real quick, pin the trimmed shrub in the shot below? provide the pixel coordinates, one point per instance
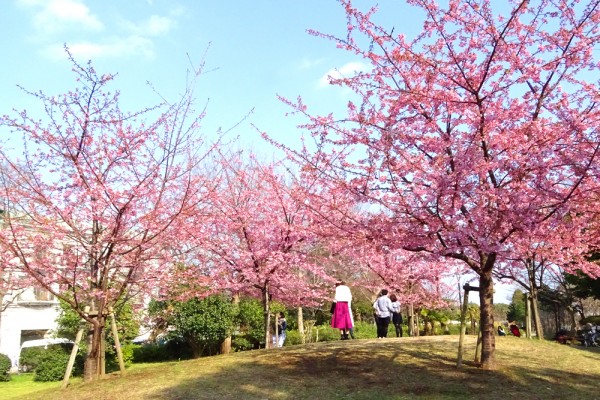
(243, 343)
(250, 325)
(174, 349)
(128, 351)
(180, 349)
(5, 365)
(292, 337)
(52, 365)
(150, 353)
(49, 364)
(30, 358)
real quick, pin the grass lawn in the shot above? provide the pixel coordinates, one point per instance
(403, 368)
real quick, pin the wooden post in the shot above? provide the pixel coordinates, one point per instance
(301, 331)
(276, 344)
(463, 328)
(102, 358)
(463, 317)
(528, 316)
(74, 353)
(117, 342)
(478, 345)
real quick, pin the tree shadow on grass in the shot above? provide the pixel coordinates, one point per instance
(376, 370)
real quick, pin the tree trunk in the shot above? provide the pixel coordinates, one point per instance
(411, 322)
(528, 316)
(226, 344)
(267, 314)
(416, 330)
(92, 368)
(486, 304)
(473, 328)
(301, 325)
(535, 313)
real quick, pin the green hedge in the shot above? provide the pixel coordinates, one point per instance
(52, 365)
(5, 365)
(49, 364)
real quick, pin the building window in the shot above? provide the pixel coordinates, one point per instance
(42, 294)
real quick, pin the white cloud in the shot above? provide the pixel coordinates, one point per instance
(57, 15)
(307, 63)
(155, 25)
(54, 19)
(131, 46)
(345, 71)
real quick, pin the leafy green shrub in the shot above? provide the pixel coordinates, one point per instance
(363, 310)
(242, 343)
(151, 352)
(181, 349)
(196, 325)
(174, 349)
(292, 337)
(128, 350)
(326, 333)
(250, 322)
(52, 365)
(30, 358)
(5, 365)
(368, 330)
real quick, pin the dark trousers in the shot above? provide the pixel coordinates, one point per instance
(397, 321)
(382, 326)
(398, 330)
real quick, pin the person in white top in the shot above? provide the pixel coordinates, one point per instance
(383, 311)
(396, 315)
(342, 316)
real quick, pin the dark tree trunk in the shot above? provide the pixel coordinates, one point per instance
(267, 314)
(226, 345)
(486, 304)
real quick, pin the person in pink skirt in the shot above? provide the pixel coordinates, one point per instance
(342, 314)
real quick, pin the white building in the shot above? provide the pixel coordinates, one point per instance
(28, 314)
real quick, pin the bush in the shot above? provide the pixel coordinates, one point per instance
(250, 324)
(52, 365)
(243, 343)
(292, 337)
(5, 365)
(174, 349)
(326, 333)
(128, 351)
(367, 330)
(151, 352)
(30, 358)
(180, 349)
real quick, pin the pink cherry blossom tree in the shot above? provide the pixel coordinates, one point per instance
(471, 137)
(256, 238)
(98, 195)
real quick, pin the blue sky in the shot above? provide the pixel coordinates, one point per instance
(258, 50)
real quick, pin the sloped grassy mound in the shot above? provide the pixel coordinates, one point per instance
(404, 368)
